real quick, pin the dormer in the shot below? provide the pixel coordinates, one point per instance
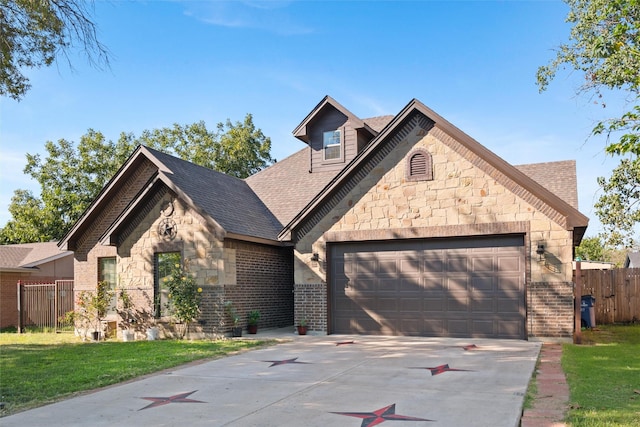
(334, 135)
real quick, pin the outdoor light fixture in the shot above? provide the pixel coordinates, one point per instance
(540, 251)
(315, 257)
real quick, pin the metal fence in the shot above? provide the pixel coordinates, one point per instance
(616, 292)
(43, 305)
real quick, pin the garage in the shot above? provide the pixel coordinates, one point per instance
(450, 287)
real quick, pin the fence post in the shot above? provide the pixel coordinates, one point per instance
(577, 301)
(19, 294)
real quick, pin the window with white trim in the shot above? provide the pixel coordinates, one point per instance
(331, 145)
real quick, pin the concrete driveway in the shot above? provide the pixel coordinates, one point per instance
(334, 380)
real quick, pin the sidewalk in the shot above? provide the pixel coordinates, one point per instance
(550, 405)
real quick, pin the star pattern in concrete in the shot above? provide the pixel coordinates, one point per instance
(176, 398)
(388, 413)
(285, 362)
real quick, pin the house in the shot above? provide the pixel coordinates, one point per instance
(398, 225)
(30, 263)
(632, 260)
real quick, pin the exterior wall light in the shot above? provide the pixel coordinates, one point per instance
(540, 251)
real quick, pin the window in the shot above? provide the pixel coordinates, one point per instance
(420, 166)
(107, 273)
(331, 145)
(165, 264)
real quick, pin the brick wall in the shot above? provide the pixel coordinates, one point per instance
(311, 304)
(550, 309)
(264, 283)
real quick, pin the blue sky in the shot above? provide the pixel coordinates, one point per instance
(473, 62)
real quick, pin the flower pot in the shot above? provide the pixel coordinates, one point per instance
(152, 333)
(252, 329)
(236, 331)
(128, 336)
(302, 330)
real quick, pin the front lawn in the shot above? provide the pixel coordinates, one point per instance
(604, 377)
(36, 369)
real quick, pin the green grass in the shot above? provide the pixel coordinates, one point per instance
(37, 368)
(604, 377)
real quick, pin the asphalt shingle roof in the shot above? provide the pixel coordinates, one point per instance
(228, 200)
(557, 177)
(25, 255)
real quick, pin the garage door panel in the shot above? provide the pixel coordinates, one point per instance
(439, 287)
(434, 327)
(483, 283)
(457, 283)
(509, 263)
(433, 264)
(483, 328)
(408, 305)
(508, 305)
(482, 264)
(457, 264)
(458, 303)
(458, 328)
(434, 305)
(483, 305)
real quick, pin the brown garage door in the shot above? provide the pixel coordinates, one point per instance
(472, 287)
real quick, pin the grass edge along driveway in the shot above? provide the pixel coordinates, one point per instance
(37, 369)
(604, 377)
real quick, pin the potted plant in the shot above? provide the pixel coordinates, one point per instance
(125, 311)
(236, 329)
(252, 321)
(302, 326)
(91, 309)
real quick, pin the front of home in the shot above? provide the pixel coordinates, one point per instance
(395, 225)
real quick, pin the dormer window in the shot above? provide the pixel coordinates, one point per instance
(331, 145)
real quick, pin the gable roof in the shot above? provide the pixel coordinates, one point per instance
(570, 216)
(301, 131)
(25, 256)
(224, 200)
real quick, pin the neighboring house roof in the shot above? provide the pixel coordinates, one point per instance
(632, 260)
(569, 215)
(26, 256)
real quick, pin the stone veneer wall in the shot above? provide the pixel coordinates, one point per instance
(202, 253)
(465, 192)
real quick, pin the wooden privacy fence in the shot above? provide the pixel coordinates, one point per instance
(617, 294)
(44, 304)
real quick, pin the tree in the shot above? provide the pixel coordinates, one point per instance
(590, 249)
(238, 149)
(71, 176)
(619, 206)
(243, 150)
(34, 34)
(604, 46)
